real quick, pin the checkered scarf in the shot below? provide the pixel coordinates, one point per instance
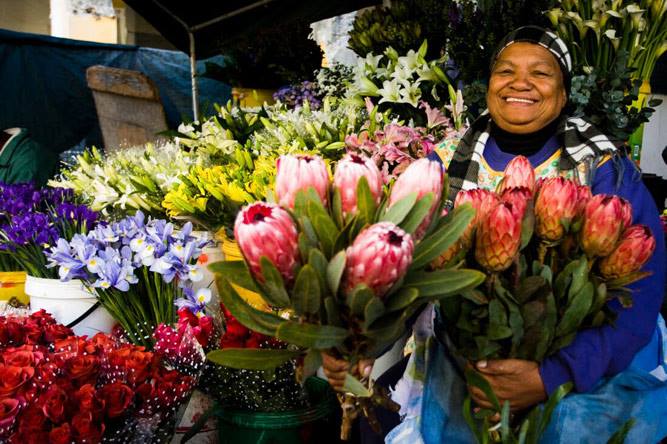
(582, 143)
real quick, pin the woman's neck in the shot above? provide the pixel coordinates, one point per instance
(523, 144)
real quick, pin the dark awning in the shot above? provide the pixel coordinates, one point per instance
(215, 24)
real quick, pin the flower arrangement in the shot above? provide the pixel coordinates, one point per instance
(136, 267)
(131, 179)
(57, 387)
(553, 256)
(33, 219)
(345, 260)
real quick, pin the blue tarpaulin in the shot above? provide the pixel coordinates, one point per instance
(43, 85)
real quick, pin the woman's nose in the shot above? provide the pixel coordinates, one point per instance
(521, 81)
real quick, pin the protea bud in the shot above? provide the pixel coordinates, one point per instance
(264, 229)
(583, 196)
(378, 258)
(518, 197)
(422, 176)
(482, 201)
(556, 202)
(632, 252)
(626, 209)
(296, 173)
(349, 170)
(603, 216)
(498, 238)
(519, 173)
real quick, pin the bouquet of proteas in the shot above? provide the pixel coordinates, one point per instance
(553, 256)
(344, 265)
(137, 269)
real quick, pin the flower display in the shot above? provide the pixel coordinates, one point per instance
(62, 388)
(137, 268)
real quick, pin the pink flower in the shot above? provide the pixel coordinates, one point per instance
(518, 173)
(498, 238)
(296, 173)
(349, 170)
(603, 224)
(518, 197)
(378, 258)
(423, 176)
(264, 229)
(632, 252)
(556, 202)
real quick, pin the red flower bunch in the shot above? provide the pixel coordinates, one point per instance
(238, 336)
(59, 388)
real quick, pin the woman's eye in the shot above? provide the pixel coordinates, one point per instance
(504, 71)
(542, 74)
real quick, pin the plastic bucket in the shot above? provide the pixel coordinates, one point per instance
(67, 302)
(12, 286)
(319, 423)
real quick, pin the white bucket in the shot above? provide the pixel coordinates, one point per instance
(66, 301)
(209, 256)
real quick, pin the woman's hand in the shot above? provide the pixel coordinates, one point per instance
(336, 369)
(513, 380)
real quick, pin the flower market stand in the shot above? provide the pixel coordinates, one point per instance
(71, 304)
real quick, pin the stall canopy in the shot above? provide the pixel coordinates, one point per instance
(203, 28)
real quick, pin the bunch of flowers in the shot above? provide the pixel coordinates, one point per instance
(294, 96)
(33, 219)
(136, 267)
(308, 130)
(59, 388)
(399, 83)
(553, 256)
(345, 260)
(392, 148)
(131, 179)
(212, 196)
(244, 389)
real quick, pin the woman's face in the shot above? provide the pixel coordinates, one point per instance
(526, 90)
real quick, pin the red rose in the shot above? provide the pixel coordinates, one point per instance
(85, 400)
(24, 356)
(12, 378)
(83, 369)
(103, 343)
(171, 388)
(54, 332)
(45, 374)
(32, 421)
(9, 408)
(42, 318)
(139, 365)
(14, 332)
(53, 403)
(61, 435)
(116, 397)
(86, 429)
(32, 332)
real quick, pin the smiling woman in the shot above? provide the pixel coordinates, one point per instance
(612, 367)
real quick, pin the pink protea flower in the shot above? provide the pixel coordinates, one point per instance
(498, 238)
(422, 176)
(603, 224)
(482, 201)
(556, 202)
(627, 213)
(264, 229)
(633, 250)
(518, 173)
(378, 258)
(296, 173)
(518, 197)
(583, 195)
(349, 170)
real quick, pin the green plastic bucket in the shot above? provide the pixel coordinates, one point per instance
(319, 423)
